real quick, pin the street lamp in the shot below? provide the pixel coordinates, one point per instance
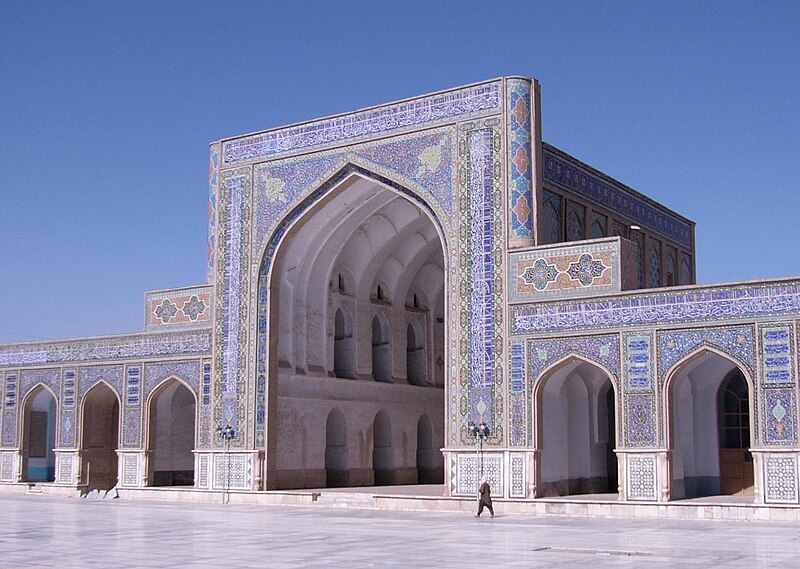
(481, 431)
(227, 434)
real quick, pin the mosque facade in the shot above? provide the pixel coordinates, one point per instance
(425, 292)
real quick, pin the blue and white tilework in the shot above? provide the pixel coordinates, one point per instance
(112, 375)
(213, 179)
(543, 354)
(559, 169)
(737, 342)
(639, 362)
(9, 434)
(231, 298)
(520, 159)
(700, 305)
(517, 398)
(447, 107)
(640, 424)
(780, 417)
(132, 414)
(84, 350)
(69, 400)
(188, 371)
(776, 352)
(49, 377)
(482, 400)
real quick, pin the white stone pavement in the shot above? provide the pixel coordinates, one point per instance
(44, 531)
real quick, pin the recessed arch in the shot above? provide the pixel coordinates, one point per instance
(100, 420)
(416, 360)
(383, 460)
(38, 433)
(692, 391)
(575, 428)
(170, 433)
(385, 236)
(337, 461)
(381, 349)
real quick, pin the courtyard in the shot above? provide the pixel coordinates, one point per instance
(69, 533)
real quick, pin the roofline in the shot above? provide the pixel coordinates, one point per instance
(614, 181)
(370, 108)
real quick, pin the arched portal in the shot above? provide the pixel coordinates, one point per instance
(382, 450)
(39, 435)
(171, 420)
(415, 355)
(575, 406)
(381, 349)
(328, 321)
(709, 427)
(336, 463)
(100, 435)
(429, 467)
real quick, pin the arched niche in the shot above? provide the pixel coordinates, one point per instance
(171, 413)
(39, 412)
(706, 459)
(100, 412)
(575, 429)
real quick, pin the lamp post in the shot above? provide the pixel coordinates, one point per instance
(481, 431)
(227, 434)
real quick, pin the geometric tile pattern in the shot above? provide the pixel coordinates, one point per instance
(575, 177)
(641, 473)
(232, 471)
(517, 489)
(468, 476)
(780, 475)
(6, 466)
(130, 469)
(202, 471)
(65, 467)
(520, 159)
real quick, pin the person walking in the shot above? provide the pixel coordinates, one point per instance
(484, 498)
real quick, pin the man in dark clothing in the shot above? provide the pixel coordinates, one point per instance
(484, 498)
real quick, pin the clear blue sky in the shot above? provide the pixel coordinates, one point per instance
(107, 109)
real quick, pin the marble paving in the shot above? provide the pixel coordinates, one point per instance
(68, 533)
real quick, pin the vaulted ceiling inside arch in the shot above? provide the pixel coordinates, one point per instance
(371, 235)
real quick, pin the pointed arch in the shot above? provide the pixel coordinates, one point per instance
(575, 401)
(692, 392)
(381, 349)
(416, 360)
(38, 420)
(344, 364)
(171, 417)
(100, 411)
(383, 463)
(359, 221)
(337, 462)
